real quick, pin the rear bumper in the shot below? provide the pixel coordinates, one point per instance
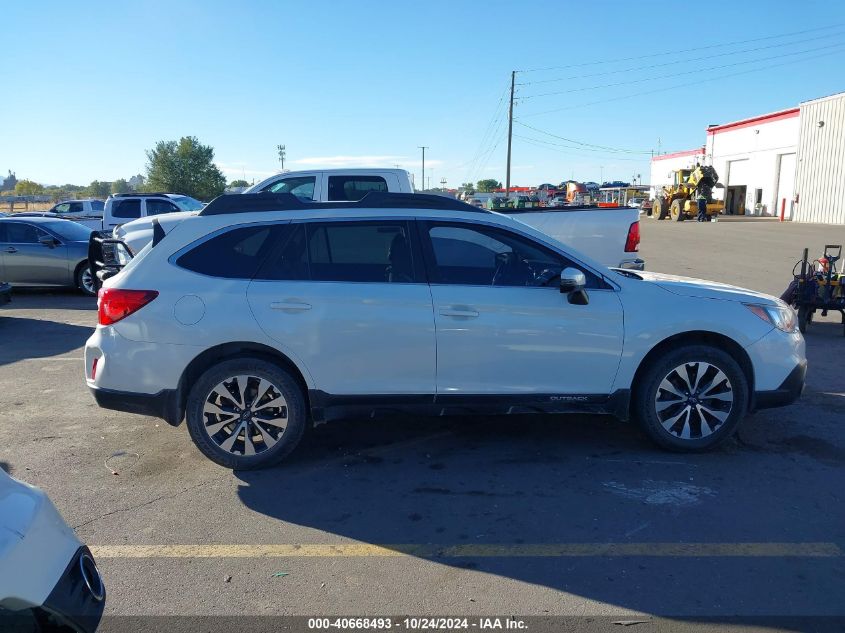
(633, 264)
(79, 596)
(788, 392)
(165, 404)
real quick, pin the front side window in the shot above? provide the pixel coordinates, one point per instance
(234, 254)
(157, 207)
(486, 256)
(187, 203)
(64, 207)
(360, 251)
(127, 208)
(300, 186)
(352, 188)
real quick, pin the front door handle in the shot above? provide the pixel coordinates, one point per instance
(290, 306)
(11, 249)
(455, 312)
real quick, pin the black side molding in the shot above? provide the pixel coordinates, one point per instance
(327, 407)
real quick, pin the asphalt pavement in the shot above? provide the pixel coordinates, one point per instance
(571, 516)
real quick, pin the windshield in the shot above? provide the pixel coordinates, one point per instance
(186, 203)
(69, 230)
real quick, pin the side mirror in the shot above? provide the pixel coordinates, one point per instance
(572, 282)
(48, 241)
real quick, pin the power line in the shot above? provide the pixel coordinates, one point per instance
(582, 143)
(487, 137)
(676, 86)
(554, 146)
(685, 72)
(686, 50)
(672, 63)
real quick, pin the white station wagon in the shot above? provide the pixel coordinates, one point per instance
(264, 314)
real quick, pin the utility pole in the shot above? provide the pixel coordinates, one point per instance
(443, 183)
(423, 148)
(282, 155)
(510, 138)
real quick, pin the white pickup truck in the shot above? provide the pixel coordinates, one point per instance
(610, 236)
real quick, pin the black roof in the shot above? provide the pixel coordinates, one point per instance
(139, 195)
(250, 202)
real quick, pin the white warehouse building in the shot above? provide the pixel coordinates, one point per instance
(785, 164)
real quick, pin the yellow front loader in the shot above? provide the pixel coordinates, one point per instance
(680, 199)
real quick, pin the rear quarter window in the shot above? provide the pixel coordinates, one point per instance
(236, 254)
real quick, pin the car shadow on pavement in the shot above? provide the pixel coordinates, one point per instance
(541, 482)
(23, 338)
(51, 299)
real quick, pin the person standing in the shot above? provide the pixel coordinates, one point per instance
(702, 208)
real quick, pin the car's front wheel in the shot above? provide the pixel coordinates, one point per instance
(691, 399)
(246, 413)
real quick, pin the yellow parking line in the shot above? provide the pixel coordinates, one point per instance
(542, 550)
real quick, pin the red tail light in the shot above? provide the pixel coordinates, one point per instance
(632, 244)
(114, 304)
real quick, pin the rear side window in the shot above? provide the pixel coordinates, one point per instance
(354, 187)
(235, 254)
(360, 251)
(130, 208)
(76, 207)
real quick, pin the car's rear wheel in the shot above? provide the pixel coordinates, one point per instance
(691, 399)
(246, 413)
(85, 280)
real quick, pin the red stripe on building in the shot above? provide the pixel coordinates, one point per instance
(689, 152)
(757, 120)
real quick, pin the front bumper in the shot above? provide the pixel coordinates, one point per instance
(788, 392)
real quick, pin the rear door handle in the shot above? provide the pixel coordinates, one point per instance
(454, 312)
(11, 249)
(290, 306)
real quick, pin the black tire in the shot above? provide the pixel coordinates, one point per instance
(677, 208)
(706, 430)
(204, 393)
(80, 278)
(658, 209)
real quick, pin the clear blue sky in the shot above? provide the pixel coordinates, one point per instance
(89, 86)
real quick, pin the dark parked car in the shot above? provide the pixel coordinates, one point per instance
(43, 251)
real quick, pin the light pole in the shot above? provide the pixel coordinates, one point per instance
(282, 155)
(423, 148)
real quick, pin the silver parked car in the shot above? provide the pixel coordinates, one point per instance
(44, 251)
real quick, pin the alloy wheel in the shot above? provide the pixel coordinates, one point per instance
(245, 415)
(694, 400)
(87, 280)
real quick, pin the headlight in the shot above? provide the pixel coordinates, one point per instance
(780, 316)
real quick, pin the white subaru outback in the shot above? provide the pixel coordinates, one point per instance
(264, 314)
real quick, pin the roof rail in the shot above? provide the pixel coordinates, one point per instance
(250, 202)
(139, 195)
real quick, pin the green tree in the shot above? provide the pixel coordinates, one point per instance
(487, 185)
(468, 186)
(120, 186)
(28, 188)
(239, 183)
(184, 167)
(98, 189)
